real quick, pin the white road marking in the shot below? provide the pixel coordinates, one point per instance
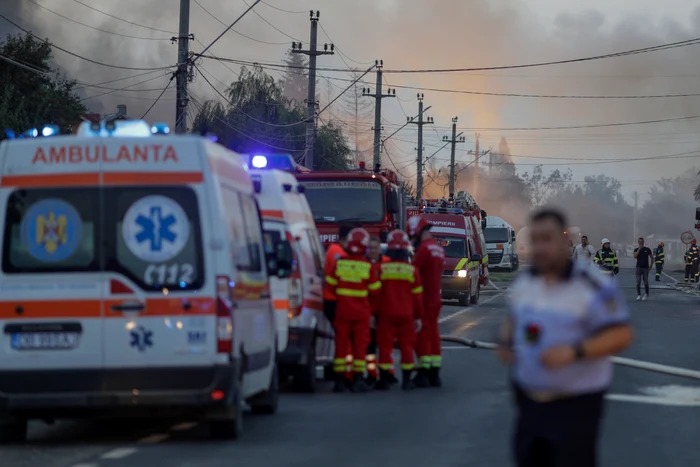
(653, 400)
(674, 391)
(154, 438)
(119, 453)
(455, 347)
(670, 277)
(464, 310)
(183, 426)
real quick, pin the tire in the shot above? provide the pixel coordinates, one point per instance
(305, 376)
(13, 431)
(267, 402)
(229, 424)
(463, 300)
(475, 299)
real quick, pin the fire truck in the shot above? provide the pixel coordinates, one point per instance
(371, 199)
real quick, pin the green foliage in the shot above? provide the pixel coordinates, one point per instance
(29, 99)
(258, 117)
(670, 209)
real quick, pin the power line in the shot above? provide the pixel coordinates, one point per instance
(283, 10)
(125, 88)
(229, 27)
(233, 30)
(54, 46)
(270, 24)
(94, 28)
(161, 95)
(122, 19)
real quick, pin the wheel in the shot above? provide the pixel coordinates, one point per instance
(13, 431)
(267, 402)
(228, 424)
(463, 300)
(475, 299)
(305, 376)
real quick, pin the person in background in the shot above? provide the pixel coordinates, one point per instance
(645, 258)
(606, 259)
(429, 259)
(659, 255)
(399, 310)
(355, 285)
(691, 259)
(376, 257)
(334, 252)
(565, 322)
(572, 248)
(584, 251)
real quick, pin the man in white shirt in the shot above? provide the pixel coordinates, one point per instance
(584, 251)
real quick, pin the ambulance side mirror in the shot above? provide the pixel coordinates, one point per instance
(476, 258)
(281, 262)
(512, 235)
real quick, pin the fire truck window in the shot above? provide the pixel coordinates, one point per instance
(454, 247)
(345, 201)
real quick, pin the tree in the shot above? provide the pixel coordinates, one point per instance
(296, 81)
(32, 99)
(542, 188)
(259, 118)
(670, 208)
(360, 111)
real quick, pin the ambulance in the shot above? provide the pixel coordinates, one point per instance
(305, 334)
(135, 280)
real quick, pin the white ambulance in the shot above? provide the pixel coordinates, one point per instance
(134, 280)
(298, 299)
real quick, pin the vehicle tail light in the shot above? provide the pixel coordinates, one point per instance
(224, 315)
(296, 296)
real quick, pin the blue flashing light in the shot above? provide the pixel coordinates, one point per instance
(10, 134)
(443, 211)
(31, 133)
(160, 129)
(259, 162)
(49, 130)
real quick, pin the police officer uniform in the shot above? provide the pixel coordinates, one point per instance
(560, 410)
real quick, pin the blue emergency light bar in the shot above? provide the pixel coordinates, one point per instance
(271, 161)
(48, 130)
(443, 211)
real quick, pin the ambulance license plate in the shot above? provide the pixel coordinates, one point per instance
(44, 340)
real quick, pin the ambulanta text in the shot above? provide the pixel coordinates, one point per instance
(145, 153)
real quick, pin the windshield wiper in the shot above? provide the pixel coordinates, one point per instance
(350, 219)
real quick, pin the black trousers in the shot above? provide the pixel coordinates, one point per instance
(659, 268)
(329, 309)
(562, 433)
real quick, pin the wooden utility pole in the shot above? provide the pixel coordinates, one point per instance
(454, 140)
(378, 96)
(419, 159)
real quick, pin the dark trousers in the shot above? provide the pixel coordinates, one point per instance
(642, 274)
(659, 268)
(562, 433)
(329, 309)
(689, 272)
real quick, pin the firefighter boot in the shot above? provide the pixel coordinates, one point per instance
(358, 383)
(371, 380)
(421, 379)
(340, 383)
(406, 382)
(434, 377)
(384, 381)
(392, 378)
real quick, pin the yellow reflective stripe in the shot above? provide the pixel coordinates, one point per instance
(384, 366)
(339, 361)
(375, 286)
(417, 290)
(472, 264)
(461, 263)
(352, 293)
(485, 259)
(407, 366)
(331, 280)
(347, 269)
(396, 276)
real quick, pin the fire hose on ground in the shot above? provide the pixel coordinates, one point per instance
(628, 362)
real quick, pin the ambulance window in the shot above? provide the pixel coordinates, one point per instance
(472, 249)
(236, 228)
(51, 230)
(153, 237)
(316, 249)
(253, 230)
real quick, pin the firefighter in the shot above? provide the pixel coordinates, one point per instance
(691, 261)
(354, 283)
(376, 257)
(400, 307)
(334, 252)
(429, 259)
(659, 255)
(606, 259)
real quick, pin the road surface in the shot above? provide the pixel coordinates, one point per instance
(467, 423)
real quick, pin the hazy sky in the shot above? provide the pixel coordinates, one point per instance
(443, 33)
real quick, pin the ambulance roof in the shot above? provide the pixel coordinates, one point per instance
(280, 196)
(97, 159)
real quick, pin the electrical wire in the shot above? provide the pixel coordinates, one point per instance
(233, 30)
(283, 10)
(94, 28)
(340, 53)
(54, 46)
(125, 88)
(270, 24)
(158, 98)
(124, 20)
(229, 27)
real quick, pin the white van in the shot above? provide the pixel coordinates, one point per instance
(134, 280)
(305, 334)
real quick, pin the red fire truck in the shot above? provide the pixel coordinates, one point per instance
(372, 199)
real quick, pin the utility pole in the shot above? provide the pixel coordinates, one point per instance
(183, 64)
(454, 142)
(634, 228)
(419, 160)
(378, 96)
(475, 177)
(312, 53)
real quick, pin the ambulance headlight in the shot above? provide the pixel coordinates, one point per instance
(259, 162)
(49, 130)
(461, 273)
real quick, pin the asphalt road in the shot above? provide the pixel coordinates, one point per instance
(466, 423)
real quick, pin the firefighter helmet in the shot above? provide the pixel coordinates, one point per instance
(661, 244)
(416, 225)
(398, 240)
(604, 241)
(358, 241)
(693, 241)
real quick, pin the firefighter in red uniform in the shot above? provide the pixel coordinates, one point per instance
(400, 307)
(354, 283)
(374, 254)
(429, 259)
(334, 252)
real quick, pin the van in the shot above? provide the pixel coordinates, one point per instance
(305, 334)
(134, 280)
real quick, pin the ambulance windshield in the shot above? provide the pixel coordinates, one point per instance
(496, 235)
(454, 247)
(337, 201)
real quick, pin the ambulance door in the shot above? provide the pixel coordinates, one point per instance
(160, 309)
(275, 232)
(50, 289)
